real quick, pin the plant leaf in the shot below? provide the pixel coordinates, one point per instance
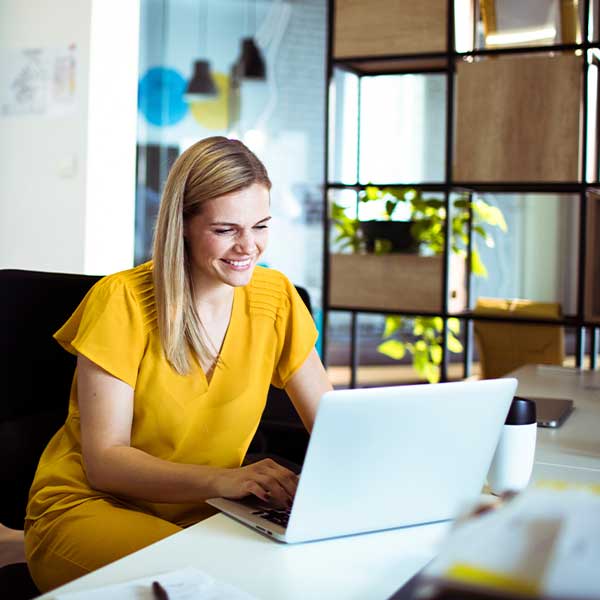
(435, 350)
(421, 346)
(454, 344)
(432, 373)
(392, 324)
(393, 348)
(371, 193)
(477, 266)
(490, 215)
(454, 325)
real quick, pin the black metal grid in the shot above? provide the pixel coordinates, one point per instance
(448, 186)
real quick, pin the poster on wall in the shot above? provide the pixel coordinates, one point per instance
(38, 81)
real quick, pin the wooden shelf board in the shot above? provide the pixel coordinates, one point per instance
(384, 27)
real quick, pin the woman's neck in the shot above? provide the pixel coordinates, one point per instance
(212, 299)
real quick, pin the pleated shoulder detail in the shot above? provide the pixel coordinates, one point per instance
(139, 281)
(268, 293)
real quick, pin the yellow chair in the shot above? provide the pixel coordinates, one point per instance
(505, 346)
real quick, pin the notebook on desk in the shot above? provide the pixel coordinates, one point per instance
(382, 458)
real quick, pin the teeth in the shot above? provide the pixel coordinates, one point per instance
(238, 263)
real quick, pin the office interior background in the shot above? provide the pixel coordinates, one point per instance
(94, 108)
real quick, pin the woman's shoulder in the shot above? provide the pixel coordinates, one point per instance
(269, 290)
(136, 285)
(135, 278)
(270, 281)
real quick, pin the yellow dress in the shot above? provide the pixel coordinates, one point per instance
(181, 418)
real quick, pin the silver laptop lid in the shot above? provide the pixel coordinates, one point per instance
(380, 458)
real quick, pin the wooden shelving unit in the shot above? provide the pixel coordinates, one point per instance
(516, 121)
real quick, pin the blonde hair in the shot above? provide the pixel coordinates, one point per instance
(212, 167)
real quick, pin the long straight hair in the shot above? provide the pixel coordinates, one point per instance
(211, 168)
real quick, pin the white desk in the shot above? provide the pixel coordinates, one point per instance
(363, 567)
(572, 451)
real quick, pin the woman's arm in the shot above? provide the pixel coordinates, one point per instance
(306, 387)
(113, 465)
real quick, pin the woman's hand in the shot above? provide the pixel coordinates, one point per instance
(264, 479)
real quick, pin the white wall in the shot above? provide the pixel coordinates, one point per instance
(67, 181)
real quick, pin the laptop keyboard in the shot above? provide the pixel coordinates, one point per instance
(279, 516)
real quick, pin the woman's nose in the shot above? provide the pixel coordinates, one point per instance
(246, 242)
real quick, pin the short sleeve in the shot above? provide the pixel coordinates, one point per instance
(107, 328)
(296, 334)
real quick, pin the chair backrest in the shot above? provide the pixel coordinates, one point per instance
(36, 375)
(505, 346)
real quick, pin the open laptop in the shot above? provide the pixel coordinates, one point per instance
(382, 458)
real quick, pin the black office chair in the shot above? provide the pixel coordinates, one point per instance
(36, 375)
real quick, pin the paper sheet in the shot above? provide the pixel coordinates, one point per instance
(182, 584)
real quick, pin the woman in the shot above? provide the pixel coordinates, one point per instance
(174, 361)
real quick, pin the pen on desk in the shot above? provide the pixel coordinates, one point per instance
(159, 591)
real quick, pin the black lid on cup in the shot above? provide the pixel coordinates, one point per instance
(521, 412)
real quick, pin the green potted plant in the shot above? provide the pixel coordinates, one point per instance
(421, 336)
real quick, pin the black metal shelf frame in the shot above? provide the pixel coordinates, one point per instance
(449, 186)
(468, 315)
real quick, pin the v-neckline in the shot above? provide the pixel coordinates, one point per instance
(215, 370)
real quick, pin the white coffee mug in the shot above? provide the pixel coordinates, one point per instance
(512, 464)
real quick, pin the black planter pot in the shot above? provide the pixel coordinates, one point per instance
(396, 232)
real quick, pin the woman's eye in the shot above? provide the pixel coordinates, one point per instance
(261, 227)
(222, 231)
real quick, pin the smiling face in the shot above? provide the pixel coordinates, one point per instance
(226, 240)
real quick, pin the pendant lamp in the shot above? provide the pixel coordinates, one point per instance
(250, 64)
(201, 86)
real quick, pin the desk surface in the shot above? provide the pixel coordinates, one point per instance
(362, 567)
(572, 451)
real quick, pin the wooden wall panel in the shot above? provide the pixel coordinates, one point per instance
(518, 119)
(386, 27)
(395, 282)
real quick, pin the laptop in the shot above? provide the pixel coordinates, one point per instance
(381, 458)
(552, 412)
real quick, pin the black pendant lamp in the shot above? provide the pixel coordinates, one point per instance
(250, 64)
(201, 86)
